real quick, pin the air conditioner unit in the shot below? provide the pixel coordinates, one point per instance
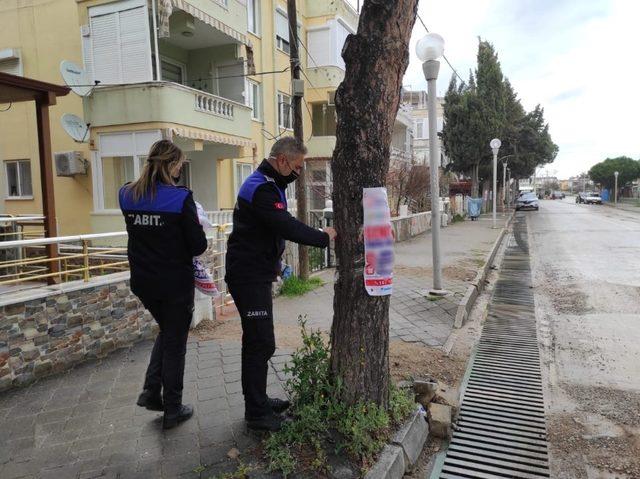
(70, 163)
(332, 97)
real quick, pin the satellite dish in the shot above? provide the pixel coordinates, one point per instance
(75, 127)
(75, 77)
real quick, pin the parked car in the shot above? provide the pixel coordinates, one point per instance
(589, 198)
(528, 201)
(557, 195)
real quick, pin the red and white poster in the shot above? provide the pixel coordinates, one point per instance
(378, 242)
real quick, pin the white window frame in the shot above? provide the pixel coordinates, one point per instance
(253, 13)
(280, 42)
(11, 61)
(423, 122)
(139, 151)
(175, 63)
(238, 174)
(19, 196)
(280, 109)
(253, 101)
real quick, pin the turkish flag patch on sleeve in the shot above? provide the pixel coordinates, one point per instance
(279, 205)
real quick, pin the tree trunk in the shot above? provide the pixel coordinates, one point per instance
(366, 104)
(474, 180)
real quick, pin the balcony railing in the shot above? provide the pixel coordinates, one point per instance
(214, 105)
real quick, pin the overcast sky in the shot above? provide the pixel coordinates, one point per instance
(579, 59)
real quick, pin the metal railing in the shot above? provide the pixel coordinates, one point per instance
(76, 259)
(82, 257)
(21, 227)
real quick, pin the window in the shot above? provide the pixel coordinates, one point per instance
(253, 16)
(252, 90)
(10, 61)
(118, 46)
(341, 37)
(116, 171)
(323, 120)
(282, 32)
(243, 170)
(121, 159)
(421, 129)
(172, 71)
(19, 179)
(284, 111)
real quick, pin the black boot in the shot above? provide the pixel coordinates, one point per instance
(150, 400)
(271, 422)
(279, 405)
(171, 420)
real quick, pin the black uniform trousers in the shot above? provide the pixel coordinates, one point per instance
(255, 305)
(166, 366)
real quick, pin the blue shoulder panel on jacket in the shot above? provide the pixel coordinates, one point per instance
(168, 199)
(251, 184)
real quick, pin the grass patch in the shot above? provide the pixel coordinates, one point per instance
(294, 286)
(457, 218)
(433, 297)
(324, 425)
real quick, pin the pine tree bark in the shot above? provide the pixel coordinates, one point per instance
(366, 104)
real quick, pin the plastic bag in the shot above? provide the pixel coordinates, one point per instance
(203, 280)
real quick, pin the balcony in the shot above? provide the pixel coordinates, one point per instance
(227, 16)
(340, 8)
(321, 146)
(327, 76)
(166, 102)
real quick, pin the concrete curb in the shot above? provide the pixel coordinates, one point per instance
(402, 454)
(477, 285)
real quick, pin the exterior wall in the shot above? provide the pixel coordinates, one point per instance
(51, 333)
(46, 33)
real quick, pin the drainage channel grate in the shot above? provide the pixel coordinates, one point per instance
(500, 431)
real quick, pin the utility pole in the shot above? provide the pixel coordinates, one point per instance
(298, 92)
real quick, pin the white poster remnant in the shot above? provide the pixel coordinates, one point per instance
(378, 242)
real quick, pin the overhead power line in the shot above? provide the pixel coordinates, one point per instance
(444, 56)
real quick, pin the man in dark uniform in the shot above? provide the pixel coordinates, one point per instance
(261, 224)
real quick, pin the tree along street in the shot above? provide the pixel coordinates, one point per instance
(587, 290)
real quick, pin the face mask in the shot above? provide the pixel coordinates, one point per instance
(291, 177)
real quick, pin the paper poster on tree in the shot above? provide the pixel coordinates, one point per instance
(378, 242)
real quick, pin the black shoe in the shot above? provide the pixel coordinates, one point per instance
(150, 400)
(271, 422)
(279, 405)
(170, 421)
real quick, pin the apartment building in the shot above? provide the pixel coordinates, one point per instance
(416, 100)
(212, 75)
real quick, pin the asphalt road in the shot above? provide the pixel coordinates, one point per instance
(586, 266)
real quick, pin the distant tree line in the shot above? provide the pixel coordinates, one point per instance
(604, 172)
(487, 107)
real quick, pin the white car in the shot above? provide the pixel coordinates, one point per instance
(527, 201)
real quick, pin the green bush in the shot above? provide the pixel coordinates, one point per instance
(320, 418)
(294, 286)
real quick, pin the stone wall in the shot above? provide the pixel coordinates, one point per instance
(57, 327)
(406, 227)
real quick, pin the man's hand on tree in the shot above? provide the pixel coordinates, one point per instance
(331, 232)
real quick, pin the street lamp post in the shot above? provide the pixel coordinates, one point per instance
(495, 147)
(429, 49)
(504, 188)
(615, 173)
